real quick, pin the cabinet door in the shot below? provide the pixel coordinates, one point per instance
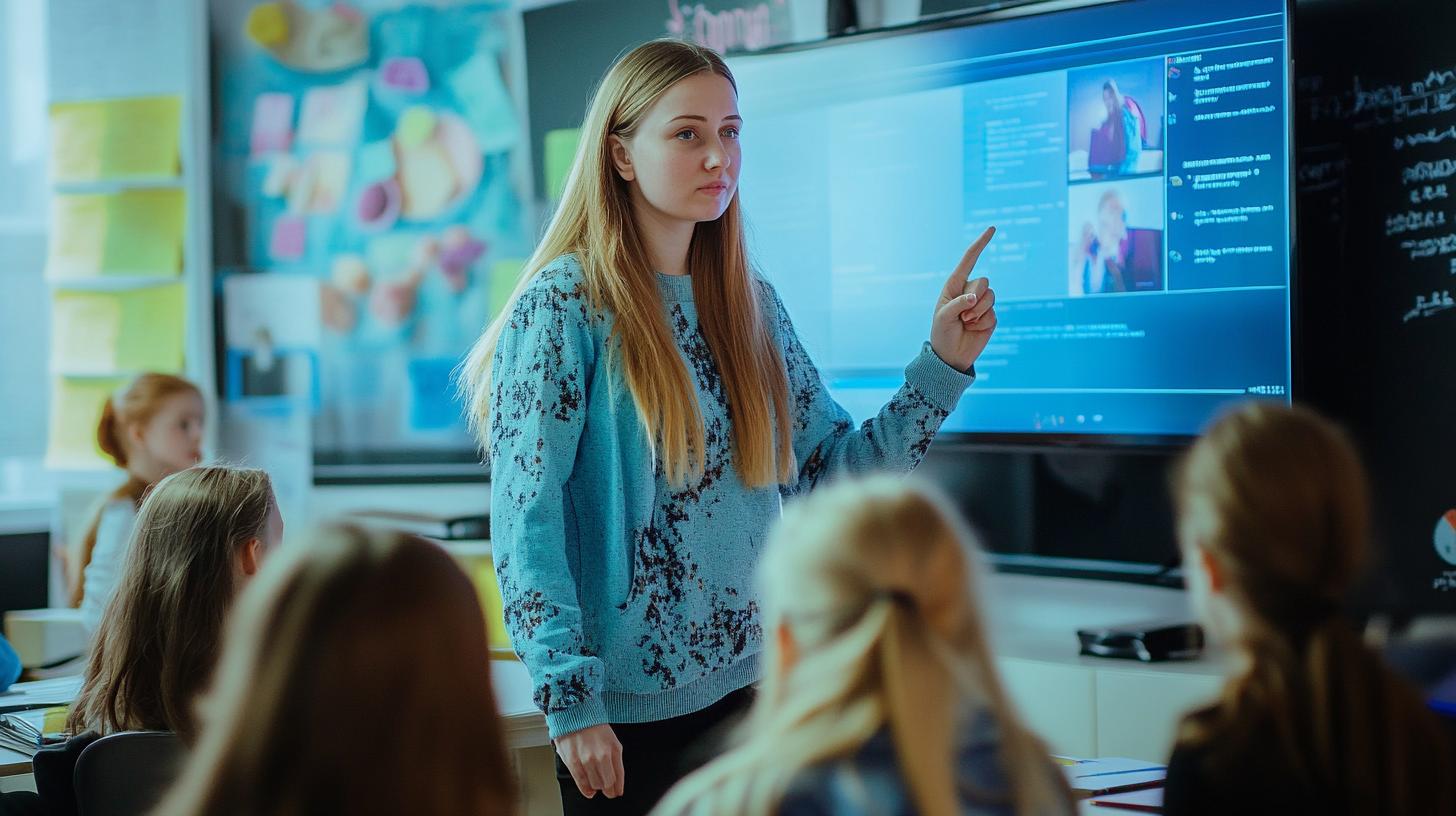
(1138, 711)
(1055, 701)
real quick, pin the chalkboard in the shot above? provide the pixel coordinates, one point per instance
(1376, 199)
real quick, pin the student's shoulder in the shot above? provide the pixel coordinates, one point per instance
(562, 277)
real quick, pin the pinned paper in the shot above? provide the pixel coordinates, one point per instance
(332, 115)
(405, 74)
(116, 139)
(134, 330)
(322, 183)
(135, 232)
(486, 103)
(272, 124)
(560, 153)
(290, 235)
(75, 411)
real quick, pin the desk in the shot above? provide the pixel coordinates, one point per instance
(523, 727)
(59, 691)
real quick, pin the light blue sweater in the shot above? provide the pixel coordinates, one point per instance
(627, 599)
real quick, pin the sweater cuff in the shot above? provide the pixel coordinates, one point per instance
(585, 714)
(937, 380)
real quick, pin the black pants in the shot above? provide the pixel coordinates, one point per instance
(656, 755)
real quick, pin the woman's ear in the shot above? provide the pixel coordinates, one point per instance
(621, 157)
(251, 556)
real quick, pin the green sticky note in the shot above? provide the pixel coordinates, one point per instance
(135, 232)
(504, 274)
(559, 153)
(153, 322)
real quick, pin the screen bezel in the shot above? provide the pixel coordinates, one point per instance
(1014, 441)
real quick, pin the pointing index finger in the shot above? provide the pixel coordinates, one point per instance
(955, 285)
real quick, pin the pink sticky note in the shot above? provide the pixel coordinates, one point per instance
(289, 234)
(406, 74)
(272, 124)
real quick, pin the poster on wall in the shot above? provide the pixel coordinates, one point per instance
(370, 147)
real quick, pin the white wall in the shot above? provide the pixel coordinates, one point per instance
(24, 303)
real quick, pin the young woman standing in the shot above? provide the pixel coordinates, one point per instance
(645, 405)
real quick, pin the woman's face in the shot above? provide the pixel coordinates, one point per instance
(683, 159)
(1111, 224)
(172, 441)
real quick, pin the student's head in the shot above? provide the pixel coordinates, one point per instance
(356, 679)
(641, 168)
(1111, 219)
(153, 426)
(871, 624)
(200, 534)
(1273, 518)
(1112, 99)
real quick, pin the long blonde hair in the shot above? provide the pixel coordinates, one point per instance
(1277, 497)
(873, 580)
(134, 405)
(160, 636)
(595, 221)
(356, 679)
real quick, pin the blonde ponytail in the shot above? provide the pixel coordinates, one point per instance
(873, 580)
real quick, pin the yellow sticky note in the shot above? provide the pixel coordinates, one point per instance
(116, 139)
(504, 275)
(483, 574)
(85, 331)
(77, 131)
(559, 154)
(128, 331)
(481, 569)
(78, 236)
(75, 412)
(55, 719)
(136, 232)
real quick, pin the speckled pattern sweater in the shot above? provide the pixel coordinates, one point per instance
(627, 598)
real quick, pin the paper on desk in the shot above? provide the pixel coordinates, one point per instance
(1112, 772)
(1147, 800)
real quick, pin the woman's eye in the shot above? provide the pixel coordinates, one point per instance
(731, 132)
(685, 133)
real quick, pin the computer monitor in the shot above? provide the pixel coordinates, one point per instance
(1135, 158)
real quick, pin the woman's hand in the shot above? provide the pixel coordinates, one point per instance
(965, 313)
(594, 757)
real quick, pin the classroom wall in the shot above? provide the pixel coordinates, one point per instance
(25, 314)
(24, 306)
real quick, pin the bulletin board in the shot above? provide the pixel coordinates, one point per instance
(368, 220)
